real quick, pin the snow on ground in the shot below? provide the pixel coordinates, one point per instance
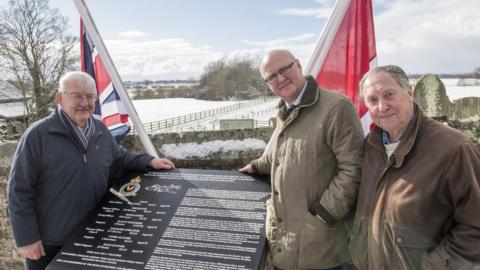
(260, 112)
(150, 110)
(188, 150)
(158, 109)
(455, 92)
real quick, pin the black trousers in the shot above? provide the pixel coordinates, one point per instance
(42, 263)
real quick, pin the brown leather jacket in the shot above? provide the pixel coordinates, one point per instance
(421, 208)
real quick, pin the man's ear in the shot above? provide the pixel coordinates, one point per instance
(297, 62)
(410, 92)
(58, 97)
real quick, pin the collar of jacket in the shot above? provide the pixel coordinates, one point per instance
(375, 138)
(56, 125)
(309, 98)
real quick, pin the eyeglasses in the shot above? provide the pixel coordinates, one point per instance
(282, 71)
(77, 97)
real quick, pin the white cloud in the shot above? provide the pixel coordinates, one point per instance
(429, 35)
(316, 12)
(177, 58)
(132, 34)
(279, 42)
(160, 59)
(323, 11)
(301, 46)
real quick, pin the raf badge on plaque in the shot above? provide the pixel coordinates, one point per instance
(129, 189)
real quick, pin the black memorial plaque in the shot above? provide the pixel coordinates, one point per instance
(179, 219)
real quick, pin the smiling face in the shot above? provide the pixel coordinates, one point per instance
(77, 101)
(284, 74)
(389, 104)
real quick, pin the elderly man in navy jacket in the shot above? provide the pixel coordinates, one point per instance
(61, 169)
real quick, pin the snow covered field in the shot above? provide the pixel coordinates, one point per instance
(158, 109)
(455, 92)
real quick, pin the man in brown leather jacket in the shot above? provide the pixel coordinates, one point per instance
(419, 197)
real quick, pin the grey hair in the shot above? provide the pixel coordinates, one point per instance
(81, 77)
(396, 72)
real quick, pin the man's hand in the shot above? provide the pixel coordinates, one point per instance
(161, 163)
(247, 169)
(318, 211)
(33, 251)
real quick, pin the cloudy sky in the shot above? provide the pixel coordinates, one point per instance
(160, 39)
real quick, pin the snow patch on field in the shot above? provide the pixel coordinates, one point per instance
(201, 150)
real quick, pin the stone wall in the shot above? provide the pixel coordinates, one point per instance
(467, 109)
(9, 259)
(222, 160)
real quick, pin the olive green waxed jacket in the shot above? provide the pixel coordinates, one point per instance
(315, 155)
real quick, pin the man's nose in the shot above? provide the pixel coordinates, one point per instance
(281, 77)
(84, 101)
(382, 105)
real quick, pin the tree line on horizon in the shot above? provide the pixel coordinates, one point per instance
(222, 80)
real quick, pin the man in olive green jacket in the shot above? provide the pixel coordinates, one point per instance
(314, 163)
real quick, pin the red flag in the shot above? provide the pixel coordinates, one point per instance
(350, 54)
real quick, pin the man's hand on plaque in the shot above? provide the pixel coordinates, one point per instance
(247, 169)
(161, 163)
(33, 251)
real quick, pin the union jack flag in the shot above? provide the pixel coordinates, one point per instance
(108, 108)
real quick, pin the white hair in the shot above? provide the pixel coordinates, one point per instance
(80, 77)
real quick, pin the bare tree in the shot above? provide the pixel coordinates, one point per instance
(35, 51)
(224, 79)
(476, 72)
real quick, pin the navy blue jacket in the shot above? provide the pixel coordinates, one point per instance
(54, 182)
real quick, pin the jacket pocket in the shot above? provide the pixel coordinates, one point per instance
(270, 222)
(322, 245)
(440, 259)
(410, 248)
(358, 243)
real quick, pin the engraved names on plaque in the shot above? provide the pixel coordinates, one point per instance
(179, 219)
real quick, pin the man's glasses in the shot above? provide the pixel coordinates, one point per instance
(77, 97)
(282, 71)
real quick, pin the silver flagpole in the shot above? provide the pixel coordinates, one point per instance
(112, 71)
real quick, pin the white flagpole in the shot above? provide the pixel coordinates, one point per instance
(323, 45)
(115, 77)
(326, 37)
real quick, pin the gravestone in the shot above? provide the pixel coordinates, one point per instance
(177, 219)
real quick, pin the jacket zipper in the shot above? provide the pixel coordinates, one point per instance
(382, 213)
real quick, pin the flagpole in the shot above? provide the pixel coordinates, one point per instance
(112, 71)
(326, 37)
